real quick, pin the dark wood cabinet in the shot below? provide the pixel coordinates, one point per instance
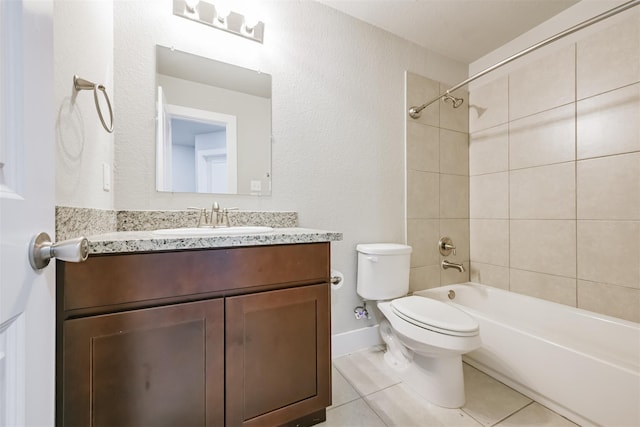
(151, 367)
(278, 355)
(195, 338)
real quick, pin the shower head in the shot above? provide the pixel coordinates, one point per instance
(416, 112)
(456, 102)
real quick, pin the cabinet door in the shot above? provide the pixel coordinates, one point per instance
(278, 355)
(160, 366)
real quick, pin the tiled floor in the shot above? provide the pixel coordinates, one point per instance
(367, 393)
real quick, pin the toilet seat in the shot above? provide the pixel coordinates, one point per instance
(435, 316)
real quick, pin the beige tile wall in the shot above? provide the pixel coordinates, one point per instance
(437, 184)
(554, 161)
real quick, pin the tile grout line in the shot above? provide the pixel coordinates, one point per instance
(366, 402)
(513, 413)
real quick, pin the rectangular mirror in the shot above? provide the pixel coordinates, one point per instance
(213, 128)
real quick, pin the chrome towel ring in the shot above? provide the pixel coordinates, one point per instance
(82, 84)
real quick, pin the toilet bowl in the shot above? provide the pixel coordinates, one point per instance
(425, 338)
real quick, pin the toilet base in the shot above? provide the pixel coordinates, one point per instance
(397, 355)
(437, 379)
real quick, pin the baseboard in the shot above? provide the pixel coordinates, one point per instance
(357, 339)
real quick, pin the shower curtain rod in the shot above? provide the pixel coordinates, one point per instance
(415, 112)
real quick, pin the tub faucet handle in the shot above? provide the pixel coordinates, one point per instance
(446, 246)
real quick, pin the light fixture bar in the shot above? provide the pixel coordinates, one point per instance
(207, 14)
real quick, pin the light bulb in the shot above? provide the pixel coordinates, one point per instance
(250, 21)
(191, 5)
(222, 10)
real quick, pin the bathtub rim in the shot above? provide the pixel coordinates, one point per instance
(581, 311)
(632, 365)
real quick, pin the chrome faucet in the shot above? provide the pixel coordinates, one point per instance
(222, 215)
(448, 264)
(204, 220)
(208, 220)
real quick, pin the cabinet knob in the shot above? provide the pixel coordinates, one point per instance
(41, 250)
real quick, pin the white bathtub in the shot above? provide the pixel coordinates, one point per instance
(583, 365)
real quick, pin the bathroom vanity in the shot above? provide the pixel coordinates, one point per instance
(231, 331)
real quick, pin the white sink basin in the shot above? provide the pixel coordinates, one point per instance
(222, 231)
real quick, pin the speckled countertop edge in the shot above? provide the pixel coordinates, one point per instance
(74, 222)
(146, 241)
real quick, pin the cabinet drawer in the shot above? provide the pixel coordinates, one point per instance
(131, 279)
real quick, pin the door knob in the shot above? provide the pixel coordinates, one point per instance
(41, 250)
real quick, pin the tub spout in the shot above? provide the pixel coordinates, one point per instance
(447, 264)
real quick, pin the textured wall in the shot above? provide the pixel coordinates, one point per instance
(554, 160)
(83, 45)
(338, 119)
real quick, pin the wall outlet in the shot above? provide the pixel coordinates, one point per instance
(256, 185)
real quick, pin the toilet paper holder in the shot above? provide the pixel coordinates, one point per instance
(336, 280)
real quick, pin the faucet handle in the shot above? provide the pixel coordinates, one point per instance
(203, 214)
(446, 246)
(225, 215)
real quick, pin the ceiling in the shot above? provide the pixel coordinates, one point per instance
(464, 30)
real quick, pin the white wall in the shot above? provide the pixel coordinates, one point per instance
(338, 119)
(83, 45)
(183, 158)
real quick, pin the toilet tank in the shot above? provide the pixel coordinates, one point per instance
(383, 270)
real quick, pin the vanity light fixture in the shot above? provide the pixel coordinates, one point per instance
(221, 18)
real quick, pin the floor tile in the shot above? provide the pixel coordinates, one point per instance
(366, 370)
(488, 400)
(388, 402)
(353, 414)
(400, 406)
(343, 392)
(538, 415)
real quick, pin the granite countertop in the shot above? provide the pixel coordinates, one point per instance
(146, 241)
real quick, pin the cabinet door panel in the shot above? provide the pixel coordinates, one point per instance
(280, 351)
(161, 366)
(153, 385)
(278, 355)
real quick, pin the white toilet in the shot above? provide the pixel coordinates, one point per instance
(425, 338)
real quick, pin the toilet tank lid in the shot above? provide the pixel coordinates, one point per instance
(383, 248)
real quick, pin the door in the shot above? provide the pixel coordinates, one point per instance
(211, 171)
(27, 186)
(164, 161)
